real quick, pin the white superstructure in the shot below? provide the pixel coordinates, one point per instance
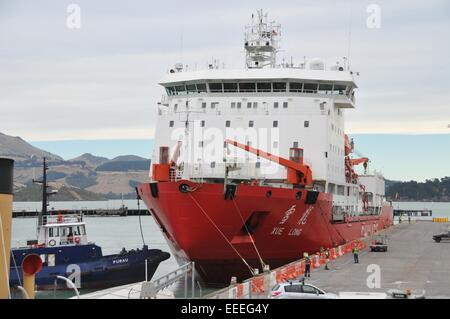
(268, 106)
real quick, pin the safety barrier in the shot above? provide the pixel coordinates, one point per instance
(440, 220)
(256, 287)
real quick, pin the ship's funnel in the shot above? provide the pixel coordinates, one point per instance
(6, 199)
(31, 265)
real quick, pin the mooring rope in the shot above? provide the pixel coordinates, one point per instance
(221, 233)
(263, 264)
(140, 223)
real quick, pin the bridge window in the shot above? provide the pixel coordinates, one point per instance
(191, 88)
(264, 86)
(279, 86)
(77, 231)
(170, 90)
(247, 87)
(339, 89)
(230, 87)
(215, 87)
(201, 87)
(295, 87)
(53, 232)
(310, 88)
(325, 88)
(181, 89)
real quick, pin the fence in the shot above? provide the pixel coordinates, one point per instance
(257, 287)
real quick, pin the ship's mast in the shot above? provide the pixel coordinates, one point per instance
(45, 194)
(262, 39)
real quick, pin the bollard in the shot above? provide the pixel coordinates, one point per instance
(31, 265)
(6, 199)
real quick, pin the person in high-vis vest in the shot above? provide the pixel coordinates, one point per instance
(355, 255)
(308, 267)
(327, 259)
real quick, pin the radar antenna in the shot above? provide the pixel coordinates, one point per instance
(262, 42)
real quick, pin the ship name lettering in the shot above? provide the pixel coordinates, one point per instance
(295, 232)
(277, 231)
(288, 214)
(120, 261)
(305, 216)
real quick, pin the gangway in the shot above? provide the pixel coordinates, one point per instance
(150, 289)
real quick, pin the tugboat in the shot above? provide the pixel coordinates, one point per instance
(65, 251)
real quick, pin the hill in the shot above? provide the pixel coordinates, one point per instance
(128, 158)
(90, 160)
(430, 190)
(16, 148)
(86, 177)
(33, 192)
(124, 166)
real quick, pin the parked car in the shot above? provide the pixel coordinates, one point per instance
(442, 236)
(299, 290)
(379, 243)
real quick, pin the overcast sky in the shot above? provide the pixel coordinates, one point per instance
(100, 81)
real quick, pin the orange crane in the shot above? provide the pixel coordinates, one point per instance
(297, 172)
(357, 161)
(349, 146)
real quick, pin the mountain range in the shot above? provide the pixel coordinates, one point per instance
(86, 177)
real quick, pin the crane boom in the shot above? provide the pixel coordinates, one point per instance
(298, 173)
(357, 161)
(175, 154)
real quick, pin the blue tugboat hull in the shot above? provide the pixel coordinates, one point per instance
(86, 266)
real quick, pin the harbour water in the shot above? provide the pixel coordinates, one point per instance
(113, 233)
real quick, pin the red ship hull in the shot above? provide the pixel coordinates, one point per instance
(202, 226)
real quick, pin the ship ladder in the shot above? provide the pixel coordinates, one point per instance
(263, 264)
(222, 234)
